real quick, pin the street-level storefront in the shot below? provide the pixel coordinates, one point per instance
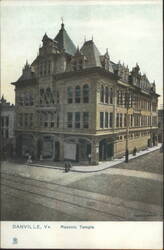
(48, 148)
(106, 150)
(77, 149)
(24, 145)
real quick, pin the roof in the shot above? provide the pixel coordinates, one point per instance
(27, 73)
(92, 53)
(64, 41)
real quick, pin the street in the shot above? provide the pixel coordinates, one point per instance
(125, 192)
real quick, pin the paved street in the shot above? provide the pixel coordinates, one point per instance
(124, 192)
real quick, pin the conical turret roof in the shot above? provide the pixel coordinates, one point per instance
(64, 41)
(92, 53)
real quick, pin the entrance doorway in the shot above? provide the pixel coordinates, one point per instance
(105, 150)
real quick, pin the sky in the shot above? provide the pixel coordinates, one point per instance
(132, 32)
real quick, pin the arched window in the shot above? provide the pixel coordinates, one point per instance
(86, 93)
(106, 94)
(69, 95)
(102, 94)
(77, 94)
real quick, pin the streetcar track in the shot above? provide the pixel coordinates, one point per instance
(71, 203)
(59, 191)
(67, 193)
(71, 196)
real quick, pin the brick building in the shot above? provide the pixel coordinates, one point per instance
(72, 102)
(7, 128)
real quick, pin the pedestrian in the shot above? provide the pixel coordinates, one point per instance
(41, 157)
(29, 160)
(134, 151)
(66, 167)
(69, 165)
(161, 149)
(89, 158)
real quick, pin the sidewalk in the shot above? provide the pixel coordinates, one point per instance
(95, 168)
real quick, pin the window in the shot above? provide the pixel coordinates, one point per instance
(58, 120)
(121, 120)
(118, 97)
(85, 120)
(26, 120)
(49, 67)
(111, 96)
(102, 94)
(69, 119)
(30, 120)
(69, 95)
(106, 119)
(111, 120)
(106, 94)
(86, 93)
(80, 64)
(77, 119)
(121, 98)
(45, 68)
(58, 96)
(20, 120)
(149, 121)
(131, 121)
(46, 124)
(52, 124)
(31, 102)
(41, 69)
(49, 96)
(41, 96)
(101, 120)
(7, 133)
(77, 94)
(125, 120)
(117, 120)
(45, 119)
(26, 99)
(74, 66)
(2, 121)
(7, 121)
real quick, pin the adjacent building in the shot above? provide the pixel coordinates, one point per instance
(76, 104)
(160, 125)
(7, 125)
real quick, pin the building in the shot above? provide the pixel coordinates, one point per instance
(72, 103)
(160, 125)
(7, 112)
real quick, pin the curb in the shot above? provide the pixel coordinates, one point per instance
(91, 171)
